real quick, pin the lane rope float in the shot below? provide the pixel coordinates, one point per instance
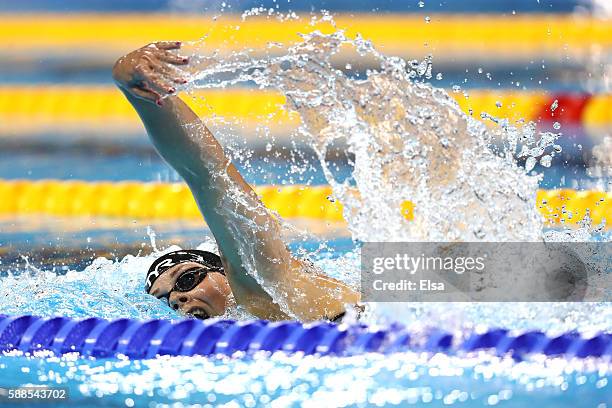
(524, 36)
(33, 109)
(138, 339)
(163, 201)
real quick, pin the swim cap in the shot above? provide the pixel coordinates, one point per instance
(167, 261)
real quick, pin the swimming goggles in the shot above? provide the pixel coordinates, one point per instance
(190, 279)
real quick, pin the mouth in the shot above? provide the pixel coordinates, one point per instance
(198, 313)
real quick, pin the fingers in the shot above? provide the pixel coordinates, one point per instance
(179, 80)
(156, 72)
(161, 77)
(162, 86)
(158, 96)
(170, 73)
(146, 94)
(168, 45)
(152, 86)
(163, 62)
(167, 56)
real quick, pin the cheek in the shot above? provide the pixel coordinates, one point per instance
(215, 293)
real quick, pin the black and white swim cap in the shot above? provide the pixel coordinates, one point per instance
(167, 261)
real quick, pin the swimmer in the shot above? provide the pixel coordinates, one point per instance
(200, 283)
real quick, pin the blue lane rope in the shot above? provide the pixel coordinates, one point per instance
(137, 339)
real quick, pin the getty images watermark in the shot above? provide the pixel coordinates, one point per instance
(486, 272)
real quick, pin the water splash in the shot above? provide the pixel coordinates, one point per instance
(601, 165)
(408, 139)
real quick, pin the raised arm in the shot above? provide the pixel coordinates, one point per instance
(260, 269)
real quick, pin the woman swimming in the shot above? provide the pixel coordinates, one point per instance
(201, 283)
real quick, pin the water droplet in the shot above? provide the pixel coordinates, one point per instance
(268, 147)
(530, 163)
(546, 161)
(427, 19)
(456, 88)
(348, 66)
(480, 70)
(479, 233)
(554, 105)
(556, 125)
(421, 4)
(557, 148)
(439, 76)
(498, 104)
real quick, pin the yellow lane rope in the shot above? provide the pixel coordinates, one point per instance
(25, 109)
(444, 35)
(162, 201)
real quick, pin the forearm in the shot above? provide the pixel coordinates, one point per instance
(231, 208)
(181, 138)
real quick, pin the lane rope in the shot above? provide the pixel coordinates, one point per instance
(504, 36)
(31, 109)
(163, 201)
(137, 339)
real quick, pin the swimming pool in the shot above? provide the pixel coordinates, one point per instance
(113, 289)
(401, 132)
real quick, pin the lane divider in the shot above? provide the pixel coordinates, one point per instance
(445, 35)
(162, 201)
(149, 200)
(25, 109)
(144, 339)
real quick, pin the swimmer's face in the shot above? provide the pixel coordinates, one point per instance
(208, 298)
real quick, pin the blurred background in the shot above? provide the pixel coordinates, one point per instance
(62, 118)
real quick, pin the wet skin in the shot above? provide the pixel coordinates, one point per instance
(255, 260)
(207, 299)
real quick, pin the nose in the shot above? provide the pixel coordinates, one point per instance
(176, 302)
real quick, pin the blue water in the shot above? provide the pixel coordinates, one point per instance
(147, 166)
(370, 380)
(113, 289)
(60, 274)
(60, 271)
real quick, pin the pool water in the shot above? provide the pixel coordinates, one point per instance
(401, 379)
(114, 288)
(81, 267)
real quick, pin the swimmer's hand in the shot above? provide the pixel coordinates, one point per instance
(149, 73)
